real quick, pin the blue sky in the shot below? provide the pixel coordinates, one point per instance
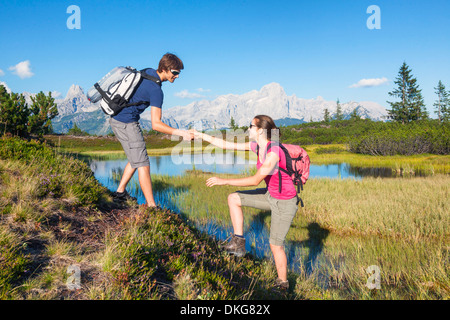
(312, 48)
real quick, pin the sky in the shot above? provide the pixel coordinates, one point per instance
(334, 49)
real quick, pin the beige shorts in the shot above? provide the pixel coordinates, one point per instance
(132, 141)
(283, 211)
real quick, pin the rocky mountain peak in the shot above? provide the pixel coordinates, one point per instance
(271, 99)
(74, 92)
(272, 89)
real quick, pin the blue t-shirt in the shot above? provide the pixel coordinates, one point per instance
(148, 90)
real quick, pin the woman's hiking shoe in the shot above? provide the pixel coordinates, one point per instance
(122, 196)
(282, 285)
(236, 246)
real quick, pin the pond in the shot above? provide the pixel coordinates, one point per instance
(227, 162)
(108, 173)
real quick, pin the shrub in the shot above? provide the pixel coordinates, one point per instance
(59, 175)
(374, 137)
(416, 138)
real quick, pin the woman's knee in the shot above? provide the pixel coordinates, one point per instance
(234, 199)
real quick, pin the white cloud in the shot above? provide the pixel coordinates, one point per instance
(203, 90)
(185, 94)
(56, 94)
(22, 69)
(6, 86)
(367, 83)
(2, 73)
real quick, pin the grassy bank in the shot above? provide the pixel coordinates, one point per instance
(400, 225)
(55, 217)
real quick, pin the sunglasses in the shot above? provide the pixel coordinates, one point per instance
(175, 72)
(252, 125)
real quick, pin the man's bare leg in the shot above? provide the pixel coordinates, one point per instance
(126, 177)
(145, 181)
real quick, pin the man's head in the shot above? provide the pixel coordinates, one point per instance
(169, 67)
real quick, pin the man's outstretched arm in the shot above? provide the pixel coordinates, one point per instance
(160, 126)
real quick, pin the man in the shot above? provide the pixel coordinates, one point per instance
(125, 126)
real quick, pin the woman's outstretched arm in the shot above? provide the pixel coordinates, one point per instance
(223, 144)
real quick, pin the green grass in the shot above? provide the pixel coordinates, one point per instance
(391, 207)
(54, 214)
(12, 263)
(408, 208)
(398, 224)
(47, 173)
(158, 249)
(50, 221)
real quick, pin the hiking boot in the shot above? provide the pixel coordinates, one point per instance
(282, 285)
(236, 246)
(122, 196)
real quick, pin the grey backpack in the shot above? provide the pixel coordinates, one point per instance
(117, 87)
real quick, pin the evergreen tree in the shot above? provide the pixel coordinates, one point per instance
(76, 131)
(43, 110)
(14, 113)
(326, 115)
(233, 124)
(442, 104)
(411, 106)
(339, 114)
(417, 109)
(4, 99)
(354, 115)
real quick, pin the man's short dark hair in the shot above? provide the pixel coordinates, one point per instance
(170, 61)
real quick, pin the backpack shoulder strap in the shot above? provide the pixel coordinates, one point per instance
(149, 77)
(278, 165)
(269, 146)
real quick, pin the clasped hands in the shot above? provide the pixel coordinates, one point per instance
(192, 134)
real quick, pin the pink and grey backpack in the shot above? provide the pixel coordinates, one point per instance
(297, 165)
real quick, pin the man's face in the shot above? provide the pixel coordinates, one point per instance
(171, 75)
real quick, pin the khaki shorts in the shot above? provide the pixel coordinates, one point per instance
(283, 211)
(132, 141)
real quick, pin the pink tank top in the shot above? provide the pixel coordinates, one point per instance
(288, 190)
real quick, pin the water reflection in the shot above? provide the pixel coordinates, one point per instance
(314, 243)
(177, 165)
(231, 163)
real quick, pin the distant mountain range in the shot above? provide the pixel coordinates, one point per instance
(270, 100)
(213, 114)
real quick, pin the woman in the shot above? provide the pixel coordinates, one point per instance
(282, 205)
